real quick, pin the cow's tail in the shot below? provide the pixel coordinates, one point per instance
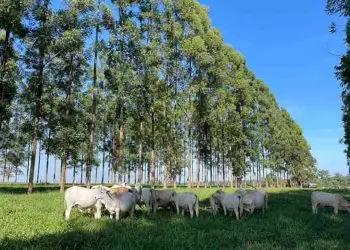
(196, 205)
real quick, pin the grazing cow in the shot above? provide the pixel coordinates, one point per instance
(254, 199)
(147, 198)
(328, 199)
(162, 198)
(120, 203)
(214, 204)
(229, 202)
(84, 198)
(186, 201)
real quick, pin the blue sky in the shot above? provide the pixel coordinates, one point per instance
(287, 44)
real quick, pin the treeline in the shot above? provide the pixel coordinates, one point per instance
(144, 88)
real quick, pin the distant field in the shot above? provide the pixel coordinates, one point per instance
(36, 222)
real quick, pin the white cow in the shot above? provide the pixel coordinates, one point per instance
(328, 199)
(229, 202)
(147, 198)
(162, 198)
(214, 205)
(84, 198)
(186, 201)
(121, 203)
(254, 199)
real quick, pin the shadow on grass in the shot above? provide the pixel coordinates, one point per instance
(287, 224)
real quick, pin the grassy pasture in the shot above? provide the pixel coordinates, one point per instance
(36, 222)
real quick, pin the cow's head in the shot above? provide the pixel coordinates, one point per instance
(172, 196)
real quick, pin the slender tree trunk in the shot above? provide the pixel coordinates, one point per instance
(74, 173)
(139, 168)
(198, 169)
(16, 173)
(81, 169)
(217, 168)
(93, 114)
(38, 99)
(96, 168)
(152, 159)
(103, 156)
(47, 160)
(5, 166)
(63, 171)
(28, 162)
(109, 167)
(54, 170)
(211, 164)
(39, 158)
(66, 117)
(121, 152)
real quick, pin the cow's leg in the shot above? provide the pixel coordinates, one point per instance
(67, 212)
(155, 206)
(117, 213)
(98, 207)
(224, 208)
(132, 212)
(336, 209)
(177, 208)
(191, 212)
(236, 212)
(314, 207)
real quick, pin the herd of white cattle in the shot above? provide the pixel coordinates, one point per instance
(123, 199)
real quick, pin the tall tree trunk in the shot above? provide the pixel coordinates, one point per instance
(38, 99)
(121, 160)
(16, 173)
(47, 160)
(63, 171)
(94, 105)
(217, 167)
(198, 169)
(152, 159)
(96, 168)
(211, 164)
(109, 167)
(38, 173)
(74, 173)
(5, 166)
(82, 168)
(103, 155)
(66, 117)
(54, 170)
(28, 162)
(139, 168)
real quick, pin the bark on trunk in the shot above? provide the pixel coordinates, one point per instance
(93, 122)
(198, 169)
(66, 117)
(47, 160)
(38, 98)
(54, 170)
(139, 168)
(38, 173)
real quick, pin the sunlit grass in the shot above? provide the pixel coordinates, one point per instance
(36, 222)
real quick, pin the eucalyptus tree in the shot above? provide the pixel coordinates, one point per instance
(38, 51)
(69, 68)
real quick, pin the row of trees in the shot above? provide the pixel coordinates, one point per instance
(146, 88)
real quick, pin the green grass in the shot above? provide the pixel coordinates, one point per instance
(36, 222)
